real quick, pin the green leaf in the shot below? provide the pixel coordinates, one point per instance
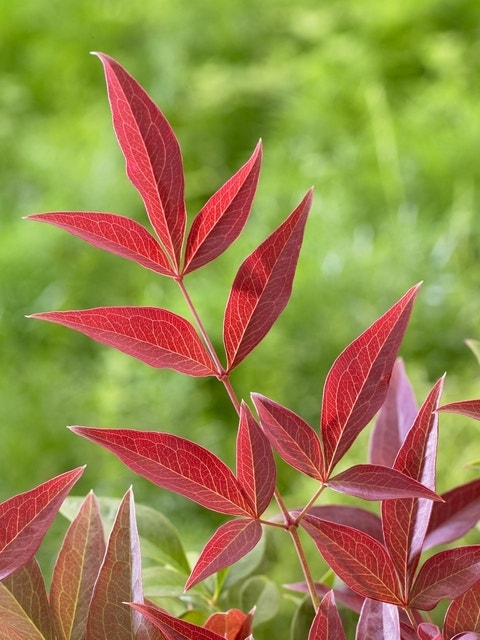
(302, 620)
(474, 347)
(263, 594)
(162, 582)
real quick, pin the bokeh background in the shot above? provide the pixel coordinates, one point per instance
(376, 104)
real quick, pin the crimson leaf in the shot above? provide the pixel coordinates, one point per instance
(357, 383)
(470, 408)
(223, 217)
(378, 621)
(172, 627)
(176, 464)
(327, 624)
(152, 154)
(26, 518)
(155, 336)
(229, 543)
(262, 286)
(464, 612)
(355, 517)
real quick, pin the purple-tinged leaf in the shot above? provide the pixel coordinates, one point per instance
(255, 462)
(464, 612)
(28, 588)
(454, 517)
(293, 438)
(396, 416)
(232, 624)
(355, 517)
(26, 518)
(417, 459)
(344, 595)
(358, 559)
(470, 408)
(357, 383)
(375, 482)
(174, 628)
(14, 621)
(176, 464)
(116, 234)
(155, 336)
(467, 636)
(428, 631)
(262, 286)
(447, 574)
(152, 154)
(327, 624)
(229, 543)
(76, 571)
(223, 217)
(378, 621)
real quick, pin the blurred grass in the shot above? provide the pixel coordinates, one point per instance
(375, 104)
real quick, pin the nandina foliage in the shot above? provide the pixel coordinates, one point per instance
(378, 558)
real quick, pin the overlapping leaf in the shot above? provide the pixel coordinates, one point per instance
(327, 624)
(351, 516)
(155, 336)
(152, 154)
(174, 628)
(464, 612)
(357, 383)
(378, 621)
(221, 220)
(26, 518)
(231, 625)
(470, 408)
(262, 286)
(176, 464)
(14, 622)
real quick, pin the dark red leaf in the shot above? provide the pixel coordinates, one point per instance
(262, 286)
(229, 543)
(232, 624)
(358, 559)
(255, 463)
(223, 217)
(155, 336)
(26, 518)
(117, 234)
(447, 574)
(378, 621)
(293, 438)
(76, 571)
(355, 517)
(175, 464)
(374, 482)
(417, 459)
(454, 517)
(470, 408)
(428, 631)
(174, 628)
(152, 154)
(327, 624)
(396, 416)
(463, 614)
(357, 383)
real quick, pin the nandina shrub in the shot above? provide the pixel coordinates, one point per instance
(379, 568)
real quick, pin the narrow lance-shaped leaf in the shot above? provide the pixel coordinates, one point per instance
(357, 383)
(255, 463)
(117, 234)
(155, 336)
(262, 286)
(176, 464)
(470, 408)
(152, 154)
(221, 220)
(464, 612)
(417, 459)
(76, 571)
(232, 541)
(378, 621)
(327, 624)
(172, 627)
(26, 518)
(396, 416)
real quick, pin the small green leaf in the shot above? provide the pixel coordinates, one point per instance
(302, 620)
(263, 594)
(161, 582)
(474, 346)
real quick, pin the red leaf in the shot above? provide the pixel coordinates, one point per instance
(152, 154)
(374, 482)
(358, 559)
(26, 518)
(76, 571)
(417, 459)
(155, 336)
(447, 574)
(229, 543)
(454, 517)
(255, 463)
(463, 614)
(117, 234)
(174, 628)
(232, 624)
(355, 517)
(470, 408)
(378, 621)
(428, 631)
(396, 416)
(357, 383)
(262, 286)
(223, 217)
(327, 624)
(175, 464)
(14, 621)
(293, 438)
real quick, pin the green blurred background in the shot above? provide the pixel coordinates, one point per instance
(376, 104)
